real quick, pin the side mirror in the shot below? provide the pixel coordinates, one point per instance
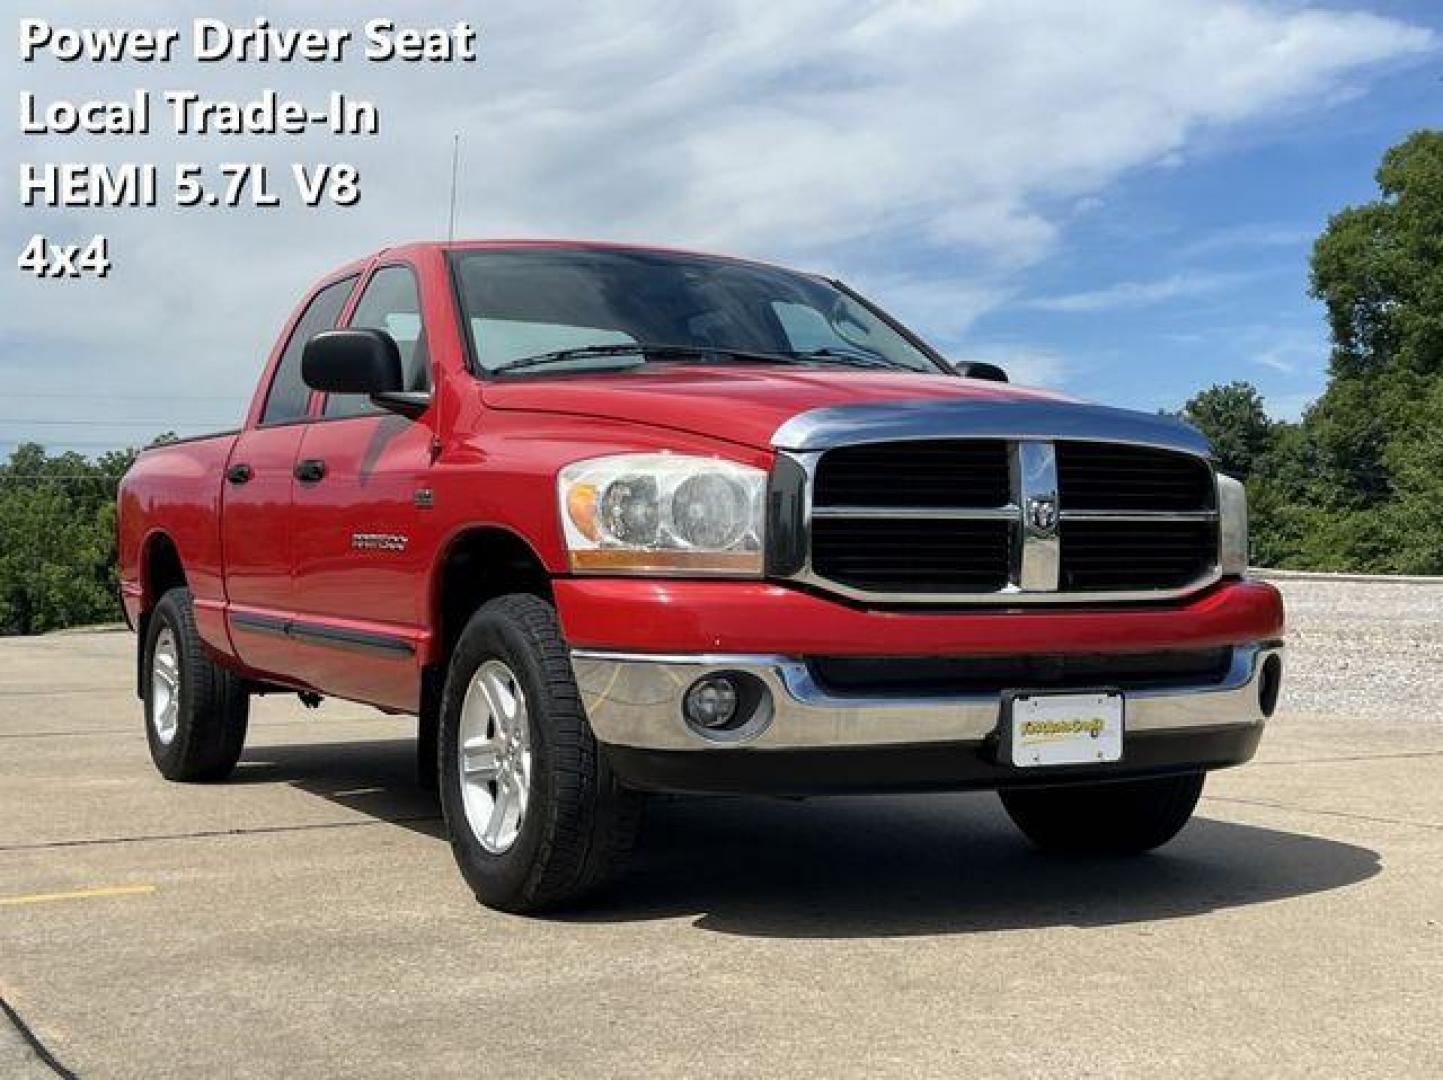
(353, 362)
(980, 369)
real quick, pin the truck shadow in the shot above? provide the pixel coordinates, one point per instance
(875, 866)
(375, 777)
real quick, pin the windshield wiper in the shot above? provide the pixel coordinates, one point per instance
(560, 356)
(839, 356)
(647, 352)
(698, 353)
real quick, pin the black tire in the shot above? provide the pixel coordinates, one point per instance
(428, 731)
(580, 823)
(1125, 817)
(213, 705)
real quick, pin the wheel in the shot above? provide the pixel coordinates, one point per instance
(195, 710)
(1122, 817)
(535, 815)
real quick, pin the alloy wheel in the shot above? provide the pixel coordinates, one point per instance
(495, 756)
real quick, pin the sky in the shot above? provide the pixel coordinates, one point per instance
(1115, 199)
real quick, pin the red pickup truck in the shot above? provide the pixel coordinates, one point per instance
(611, 520)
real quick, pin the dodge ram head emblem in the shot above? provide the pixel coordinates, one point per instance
(1042, 515)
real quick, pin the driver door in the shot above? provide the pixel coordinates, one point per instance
(361, 551)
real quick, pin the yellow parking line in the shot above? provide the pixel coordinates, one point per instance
(77, 894)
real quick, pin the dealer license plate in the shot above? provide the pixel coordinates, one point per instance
(1062, 729)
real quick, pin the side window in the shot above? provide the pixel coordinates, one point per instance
(289, 395)
(392, 303)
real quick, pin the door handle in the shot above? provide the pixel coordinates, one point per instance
(239, 474)
(311, 471)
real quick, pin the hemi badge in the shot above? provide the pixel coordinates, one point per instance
(424, 498)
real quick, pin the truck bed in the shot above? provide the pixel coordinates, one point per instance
(176, 488)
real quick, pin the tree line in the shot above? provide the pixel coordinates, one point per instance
(1356, 484)
(57, 539)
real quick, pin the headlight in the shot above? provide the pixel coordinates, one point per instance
(663, 513)
(1232, 526)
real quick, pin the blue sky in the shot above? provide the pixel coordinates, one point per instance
(1217, 245)
(1115, 199)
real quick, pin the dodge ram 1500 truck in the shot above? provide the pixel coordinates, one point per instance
(611, 520)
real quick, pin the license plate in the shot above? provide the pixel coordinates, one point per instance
(1062, 729)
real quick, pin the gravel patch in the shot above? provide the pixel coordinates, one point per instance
(1365, 649)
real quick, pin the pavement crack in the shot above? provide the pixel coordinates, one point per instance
(1325, 813)
(33, 1041)
(210, 834)
(1401, 755)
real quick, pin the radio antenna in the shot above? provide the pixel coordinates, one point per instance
(455, 159)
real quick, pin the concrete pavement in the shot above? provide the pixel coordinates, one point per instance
(306, 918)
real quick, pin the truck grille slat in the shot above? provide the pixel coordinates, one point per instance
(1107, 555)
(932, 474)
(888, 555)
(1099, 476)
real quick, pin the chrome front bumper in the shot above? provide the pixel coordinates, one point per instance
(635, 700)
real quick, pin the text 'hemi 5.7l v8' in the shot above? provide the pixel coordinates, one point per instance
(614, 520)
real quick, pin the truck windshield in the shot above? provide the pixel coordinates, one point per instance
(540, 311)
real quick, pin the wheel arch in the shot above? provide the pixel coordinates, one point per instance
(479, 563)
(161, 569)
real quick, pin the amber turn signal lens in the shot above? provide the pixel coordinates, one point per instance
(581, 508)
(620, 560)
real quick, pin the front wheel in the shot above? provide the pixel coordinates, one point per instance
(535, 815)
(1121, 817)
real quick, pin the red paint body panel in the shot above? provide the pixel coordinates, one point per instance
(258, 538)
(374, 466)
(757, 617)
(488, 455)
(756, 401)
(175, 495)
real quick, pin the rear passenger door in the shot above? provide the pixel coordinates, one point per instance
(359, 557)
(256, 496)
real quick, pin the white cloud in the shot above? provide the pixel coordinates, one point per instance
(936, 145)
(1275, 359)
(1249, 237)
(1286, 350)
(1136, 294)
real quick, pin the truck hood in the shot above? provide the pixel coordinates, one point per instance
(738, 404)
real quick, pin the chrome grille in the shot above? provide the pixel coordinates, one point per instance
(1008, 520)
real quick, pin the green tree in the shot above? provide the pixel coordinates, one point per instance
(57, 539)
(1372, 438)
(1234, 420)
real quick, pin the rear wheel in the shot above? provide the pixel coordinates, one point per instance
(535, 815)
(1123, 817)
(195, 710)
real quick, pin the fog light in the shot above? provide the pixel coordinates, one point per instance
(712, 702)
